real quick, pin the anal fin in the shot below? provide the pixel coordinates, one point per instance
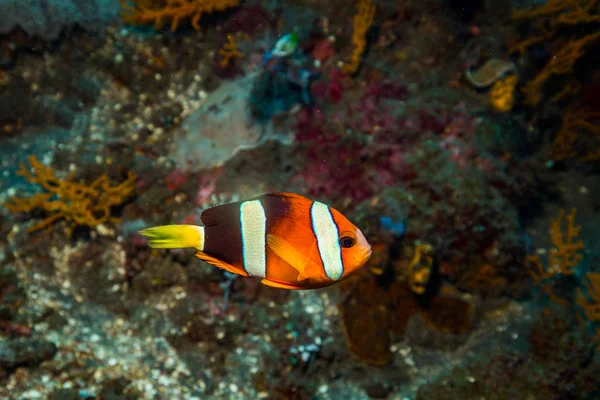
(280, 285)
(220, 264)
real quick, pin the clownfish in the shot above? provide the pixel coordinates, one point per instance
(287, 240)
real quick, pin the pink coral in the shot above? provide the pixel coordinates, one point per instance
(364, 147)
(332, 88)
(208, 184)
(176, 178)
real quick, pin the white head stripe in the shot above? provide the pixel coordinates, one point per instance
(327, 233)
(254, 225)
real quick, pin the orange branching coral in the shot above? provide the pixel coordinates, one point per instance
(77, 203)
(579, 12)
(552, 15)
(229, 51)
(569, 89)
(362, 22)
(590, 303)
(521, 47)
(553, 7)
(564, 12)
(554, 21)
(565, 256)
(560, 64)
(543, 278)
(144, 12)
(574, 123)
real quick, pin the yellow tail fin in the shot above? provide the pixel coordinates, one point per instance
(175, 236)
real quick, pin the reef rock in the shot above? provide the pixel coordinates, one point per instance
(48, 18)
(221, 127)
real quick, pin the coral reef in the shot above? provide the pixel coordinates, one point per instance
(376, 311)
(413, 119)
(559, 364)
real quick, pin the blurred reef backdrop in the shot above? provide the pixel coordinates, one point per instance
(461, 136)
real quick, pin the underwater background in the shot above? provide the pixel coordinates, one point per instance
(461, 136)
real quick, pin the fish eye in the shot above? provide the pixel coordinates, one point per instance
(347, 241)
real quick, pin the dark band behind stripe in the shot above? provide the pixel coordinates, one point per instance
(223, 236)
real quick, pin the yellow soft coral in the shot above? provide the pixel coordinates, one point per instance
(362, 22)
(420, 268)
(145, 12)
(502, 95)
(77, 203)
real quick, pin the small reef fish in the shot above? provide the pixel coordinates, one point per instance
(287, 240)
(286, 45)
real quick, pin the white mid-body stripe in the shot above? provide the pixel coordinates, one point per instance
(254, 225)
(326, 232)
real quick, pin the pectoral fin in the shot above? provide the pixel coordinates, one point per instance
(221, 264)
(288, 252)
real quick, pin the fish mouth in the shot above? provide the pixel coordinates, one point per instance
(366, 254)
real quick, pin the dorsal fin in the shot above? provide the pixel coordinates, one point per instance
(287, 196)
(221, 214)
(227, 213)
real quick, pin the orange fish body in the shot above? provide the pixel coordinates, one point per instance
(287, 240)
